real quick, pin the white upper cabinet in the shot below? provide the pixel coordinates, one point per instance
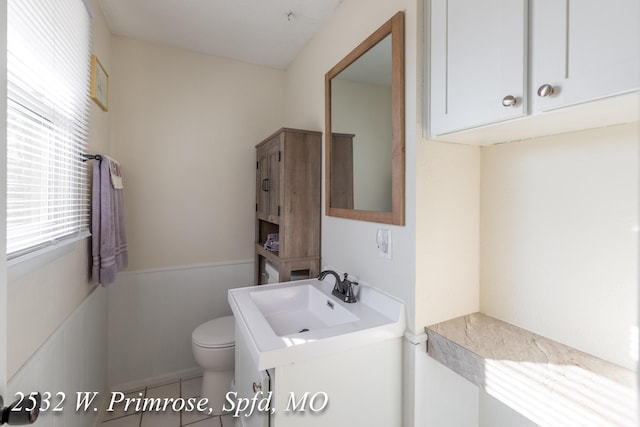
(583, 50)
(543, 61)
(478, 62)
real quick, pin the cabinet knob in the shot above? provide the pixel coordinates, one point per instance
(509, 101)
(257, 387)
(545, 90)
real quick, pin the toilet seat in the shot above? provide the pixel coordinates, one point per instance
(216, 333)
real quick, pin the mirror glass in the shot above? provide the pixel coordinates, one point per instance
(361, 132)
(365, 129)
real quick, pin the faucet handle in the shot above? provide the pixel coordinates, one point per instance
(349, 295)
(346, 279)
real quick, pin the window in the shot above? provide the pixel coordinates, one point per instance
(48, 51)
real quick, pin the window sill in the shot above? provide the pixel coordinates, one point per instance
(27, 263)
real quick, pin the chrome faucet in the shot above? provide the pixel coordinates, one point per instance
(343, 288)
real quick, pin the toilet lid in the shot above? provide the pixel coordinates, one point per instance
(219, 332)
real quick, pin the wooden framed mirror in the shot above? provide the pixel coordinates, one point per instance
(364, 132)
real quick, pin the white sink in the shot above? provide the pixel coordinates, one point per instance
(299, 309)
(301, 320)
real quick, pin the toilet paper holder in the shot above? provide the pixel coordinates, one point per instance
(23, 411)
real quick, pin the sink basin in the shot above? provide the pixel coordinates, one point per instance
(285, 323)
(299, 309)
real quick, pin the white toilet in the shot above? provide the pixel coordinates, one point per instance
(213, 345)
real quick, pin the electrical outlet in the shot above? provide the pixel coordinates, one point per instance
(383, 240)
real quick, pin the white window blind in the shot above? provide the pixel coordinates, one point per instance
(48, 52)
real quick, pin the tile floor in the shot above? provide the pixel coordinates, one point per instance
(182, 387)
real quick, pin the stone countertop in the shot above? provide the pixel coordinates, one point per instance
(546, 381)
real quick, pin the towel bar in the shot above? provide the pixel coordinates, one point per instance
(86, 157)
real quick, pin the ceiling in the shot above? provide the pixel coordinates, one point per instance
(265, 32)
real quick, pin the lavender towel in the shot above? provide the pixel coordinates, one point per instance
(108, 245)
(273, 242)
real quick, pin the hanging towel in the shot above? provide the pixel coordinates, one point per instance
(108, 245)
(115, 174)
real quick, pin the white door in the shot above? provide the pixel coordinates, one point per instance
(249, 382)
(584, 50)
(3, 201)
(478, 60)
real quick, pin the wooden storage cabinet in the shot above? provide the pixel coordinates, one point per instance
(288, 192)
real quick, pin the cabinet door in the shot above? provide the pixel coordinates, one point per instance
(268, 182)
(262, 179)
(478, 58)
(250, 381)
(273, 182)
(341, 171)
(584, 50)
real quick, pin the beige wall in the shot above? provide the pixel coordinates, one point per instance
(346, 244)
(542, 234)
(184, 127)
(560, 238)
(41, 300)
(448, 233)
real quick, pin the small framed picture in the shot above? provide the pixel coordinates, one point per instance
(99, 84)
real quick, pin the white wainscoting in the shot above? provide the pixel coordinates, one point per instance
(73, 359)
(152, 314)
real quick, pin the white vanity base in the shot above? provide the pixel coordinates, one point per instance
(363, 386)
